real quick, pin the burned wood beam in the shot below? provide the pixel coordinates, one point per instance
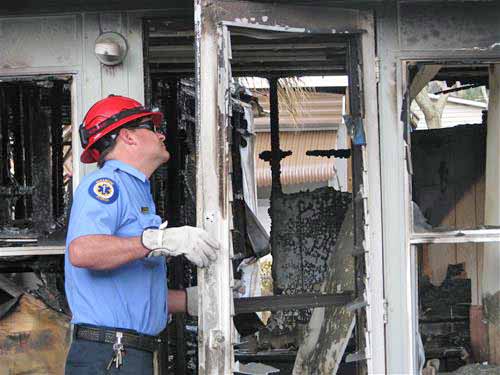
(168, 47)
(241, 70)
(42, 198)
(28, 149)
(4, 137)
(333, 65)
(275, 136)
(287, 302)
(174, 199)
(173, 145)
(268, 155)
(455, 89)
(343, 153)
(356, 104)
(56, 127)
(276, 190)
(4, 155)
(257, 56)
(290, 46)
(18, 131)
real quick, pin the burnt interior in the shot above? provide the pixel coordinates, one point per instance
(35, 147)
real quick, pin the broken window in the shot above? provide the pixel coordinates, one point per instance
(456, 238)
(36, 161)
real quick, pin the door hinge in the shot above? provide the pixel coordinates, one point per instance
(377, 69)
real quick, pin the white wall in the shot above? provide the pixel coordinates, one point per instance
(64, 44)
(463, 112)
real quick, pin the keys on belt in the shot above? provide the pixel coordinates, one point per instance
(119, 339)
(118, 352)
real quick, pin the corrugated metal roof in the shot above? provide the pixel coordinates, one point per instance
(297, 168)
(320, 110)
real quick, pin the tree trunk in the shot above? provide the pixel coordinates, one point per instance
(432, 111)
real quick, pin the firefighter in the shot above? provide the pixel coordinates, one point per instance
(115, 269)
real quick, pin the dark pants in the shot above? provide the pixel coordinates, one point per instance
(92, 358)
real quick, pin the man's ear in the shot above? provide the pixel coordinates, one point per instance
(127, 136)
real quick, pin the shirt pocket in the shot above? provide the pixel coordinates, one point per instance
(149, 221)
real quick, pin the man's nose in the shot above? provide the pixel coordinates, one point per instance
(161, 136)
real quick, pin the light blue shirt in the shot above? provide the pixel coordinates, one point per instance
(116, 200)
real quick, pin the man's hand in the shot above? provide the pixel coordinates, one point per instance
(195, 243)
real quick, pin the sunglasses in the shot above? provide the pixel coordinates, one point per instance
(150, 126)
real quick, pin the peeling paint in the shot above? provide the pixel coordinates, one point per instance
(481, 49)
(215, 306)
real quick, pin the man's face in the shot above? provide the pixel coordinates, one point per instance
(152, 141)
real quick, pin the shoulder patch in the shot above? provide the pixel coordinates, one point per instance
(104, 190)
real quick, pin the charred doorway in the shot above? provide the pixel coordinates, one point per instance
(297, 216)
(312, 230)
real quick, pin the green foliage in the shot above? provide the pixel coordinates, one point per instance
(472, 94)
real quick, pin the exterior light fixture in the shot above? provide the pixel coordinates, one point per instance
(110, 48)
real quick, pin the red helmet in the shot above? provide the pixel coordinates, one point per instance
(107, 115)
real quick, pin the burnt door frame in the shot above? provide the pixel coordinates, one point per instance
(213, 20)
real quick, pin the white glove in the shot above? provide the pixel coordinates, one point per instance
(195, 243)
(192, 296)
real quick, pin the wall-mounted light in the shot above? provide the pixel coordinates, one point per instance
(110, 48)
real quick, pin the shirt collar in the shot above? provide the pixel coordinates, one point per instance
(117, 164)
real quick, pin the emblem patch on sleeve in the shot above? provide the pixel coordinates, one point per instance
(105, 190)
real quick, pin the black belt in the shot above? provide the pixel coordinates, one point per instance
(109, 336)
